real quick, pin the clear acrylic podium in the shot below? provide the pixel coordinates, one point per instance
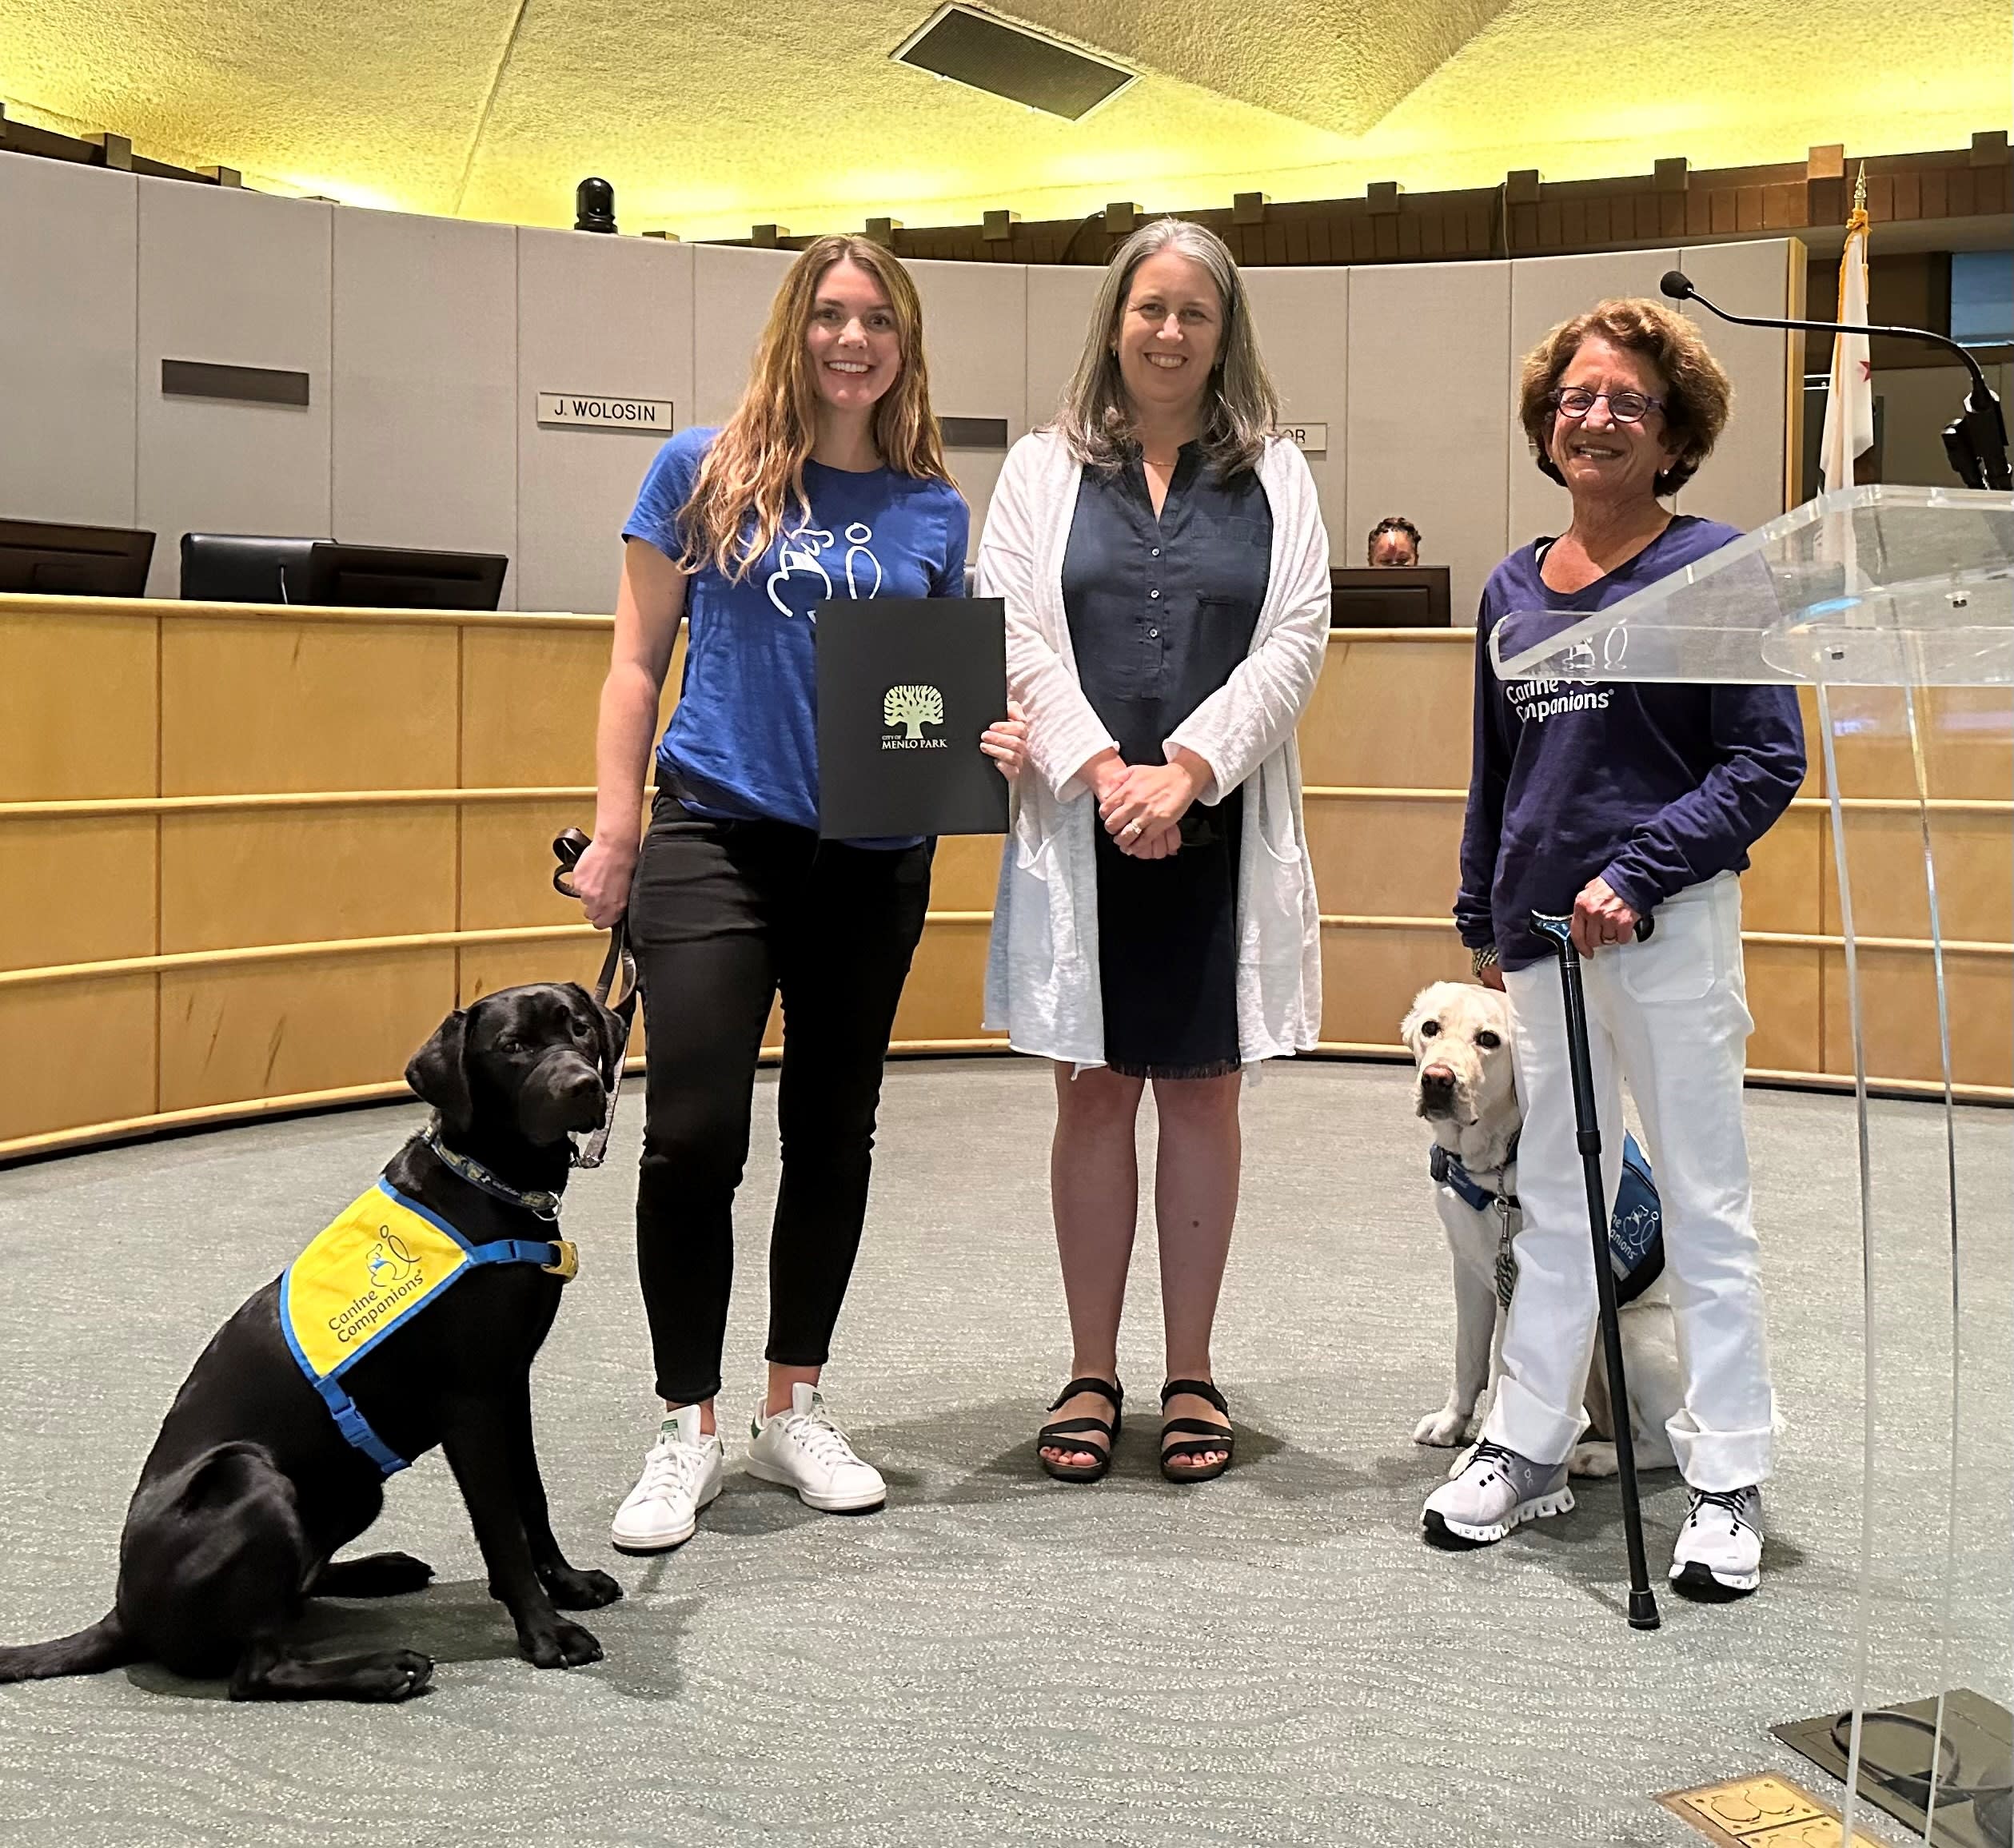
(1895, 606)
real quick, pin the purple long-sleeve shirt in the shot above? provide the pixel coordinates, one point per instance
(1651, 787)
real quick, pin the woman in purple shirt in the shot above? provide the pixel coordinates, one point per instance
(1614, 802)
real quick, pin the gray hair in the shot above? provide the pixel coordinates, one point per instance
(1241, 407)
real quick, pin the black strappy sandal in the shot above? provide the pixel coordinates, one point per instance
(1195, 1437)
(1063, 1433)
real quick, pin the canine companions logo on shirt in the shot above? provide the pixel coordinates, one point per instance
(803, 555)
(912, 708)
(1573, 689)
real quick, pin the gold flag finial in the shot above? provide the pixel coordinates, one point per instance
(1860, 189)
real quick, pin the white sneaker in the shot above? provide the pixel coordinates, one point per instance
(1495, 1491)
(1719, 1550)
(804, 1449)
(681, 1474)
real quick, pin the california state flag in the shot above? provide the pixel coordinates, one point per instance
(1849, 402)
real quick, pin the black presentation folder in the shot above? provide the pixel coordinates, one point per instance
(905, 687)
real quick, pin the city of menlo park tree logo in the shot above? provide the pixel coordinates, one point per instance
(912, 708)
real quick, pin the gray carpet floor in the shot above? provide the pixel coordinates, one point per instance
(1273, 1659)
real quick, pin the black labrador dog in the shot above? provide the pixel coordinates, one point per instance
(251, 1486)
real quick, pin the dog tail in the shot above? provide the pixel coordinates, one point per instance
(105, 1645)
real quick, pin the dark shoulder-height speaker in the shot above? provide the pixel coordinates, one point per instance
(594, 207)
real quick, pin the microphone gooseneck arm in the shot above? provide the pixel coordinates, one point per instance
(1976, 443)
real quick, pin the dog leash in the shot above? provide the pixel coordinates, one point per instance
(618, 965)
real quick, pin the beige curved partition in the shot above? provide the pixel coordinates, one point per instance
(250, 856)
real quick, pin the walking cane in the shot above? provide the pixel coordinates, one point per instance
(1558, 932)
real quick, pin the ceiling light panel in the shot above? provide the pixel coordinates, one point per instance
(974, 48)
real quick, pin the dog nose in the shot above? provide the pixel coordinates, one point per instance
(1436, 1078)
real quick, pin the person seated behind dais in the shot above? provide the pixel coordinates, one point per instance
(1394, 541)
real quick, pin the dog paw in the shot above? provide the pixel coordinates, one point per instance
(1591, 1460)
(562, 1645)
(401, 1572)
(376, 1575)
(398, 1675)
(574, 1589)
(1442, 1429)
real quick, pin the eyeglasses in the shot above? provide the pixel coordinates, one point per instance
(1625, 407)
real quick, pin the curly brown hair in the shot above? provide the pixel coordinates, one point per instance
(1697, 394)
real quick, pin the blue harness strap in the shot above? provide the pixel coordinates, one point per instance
(356, 1429)
(396, 1255)
(545, 1252)
(1636, 1226)
(1446, 1166)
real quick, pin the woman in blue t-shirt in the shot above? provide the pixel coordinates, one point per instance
(828, 481)
(1611, 801)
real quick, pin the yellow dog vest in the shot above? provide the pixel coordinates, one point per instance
(375, 1266)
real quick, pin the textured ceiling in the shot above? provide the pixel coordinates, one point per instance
(1338, 65)
(709, 115)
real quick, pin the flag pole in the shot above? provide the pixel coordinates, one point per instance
(1849, 398)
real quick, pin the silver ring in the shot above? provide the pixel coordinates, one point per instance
(1132, 827)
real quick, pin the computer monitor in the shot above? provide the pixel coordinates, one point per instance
(239, 567)
(44, 559)
(242, 568)
(383, 577)
(1399, 596)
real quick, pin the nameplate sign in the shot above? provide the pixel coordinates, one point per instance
(1310, 439)
(580, 410)
(973, 432)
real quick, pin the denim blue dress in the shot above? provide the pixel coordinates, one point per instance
(1161, 610)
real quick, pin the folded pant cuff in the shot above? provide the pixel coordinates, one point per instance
(1521, 1421)
(1717, 1461)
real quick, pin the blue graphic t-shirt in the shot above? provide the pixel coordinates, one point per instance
(1651, 787)
(743, 740)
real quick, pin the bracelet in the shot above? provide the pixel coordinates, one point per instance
(1484, 958)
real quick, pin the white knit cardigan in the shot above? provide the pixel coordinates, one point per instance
(1041, 982)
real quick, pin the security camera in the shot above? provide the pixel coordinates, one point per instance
(594, 207)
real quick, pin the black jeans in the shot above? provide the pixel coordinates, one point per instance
(722, 915)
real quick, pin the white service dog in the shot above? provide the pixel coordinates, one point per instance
(1459, 1036)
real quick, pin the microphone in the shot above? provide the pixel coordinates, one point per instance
(1976, 440)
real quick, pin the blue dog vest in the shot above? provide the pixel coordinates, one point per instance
(1636, 1226)
(367, 1273)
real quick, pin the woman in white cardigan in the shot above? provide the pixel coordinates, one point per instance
(1167, 578)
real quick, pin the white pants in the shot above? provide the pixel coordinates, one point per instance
(1669, 1017)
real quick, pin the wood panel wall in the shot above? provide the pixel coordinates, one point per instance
(249, 857)
(1525, 215)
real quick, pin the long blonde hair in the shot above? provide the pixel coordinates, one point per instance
(754, 469)
(1242, 407)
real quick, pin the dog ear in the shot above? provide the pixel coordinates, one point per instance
(1410, 1027)
(438, 1072)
